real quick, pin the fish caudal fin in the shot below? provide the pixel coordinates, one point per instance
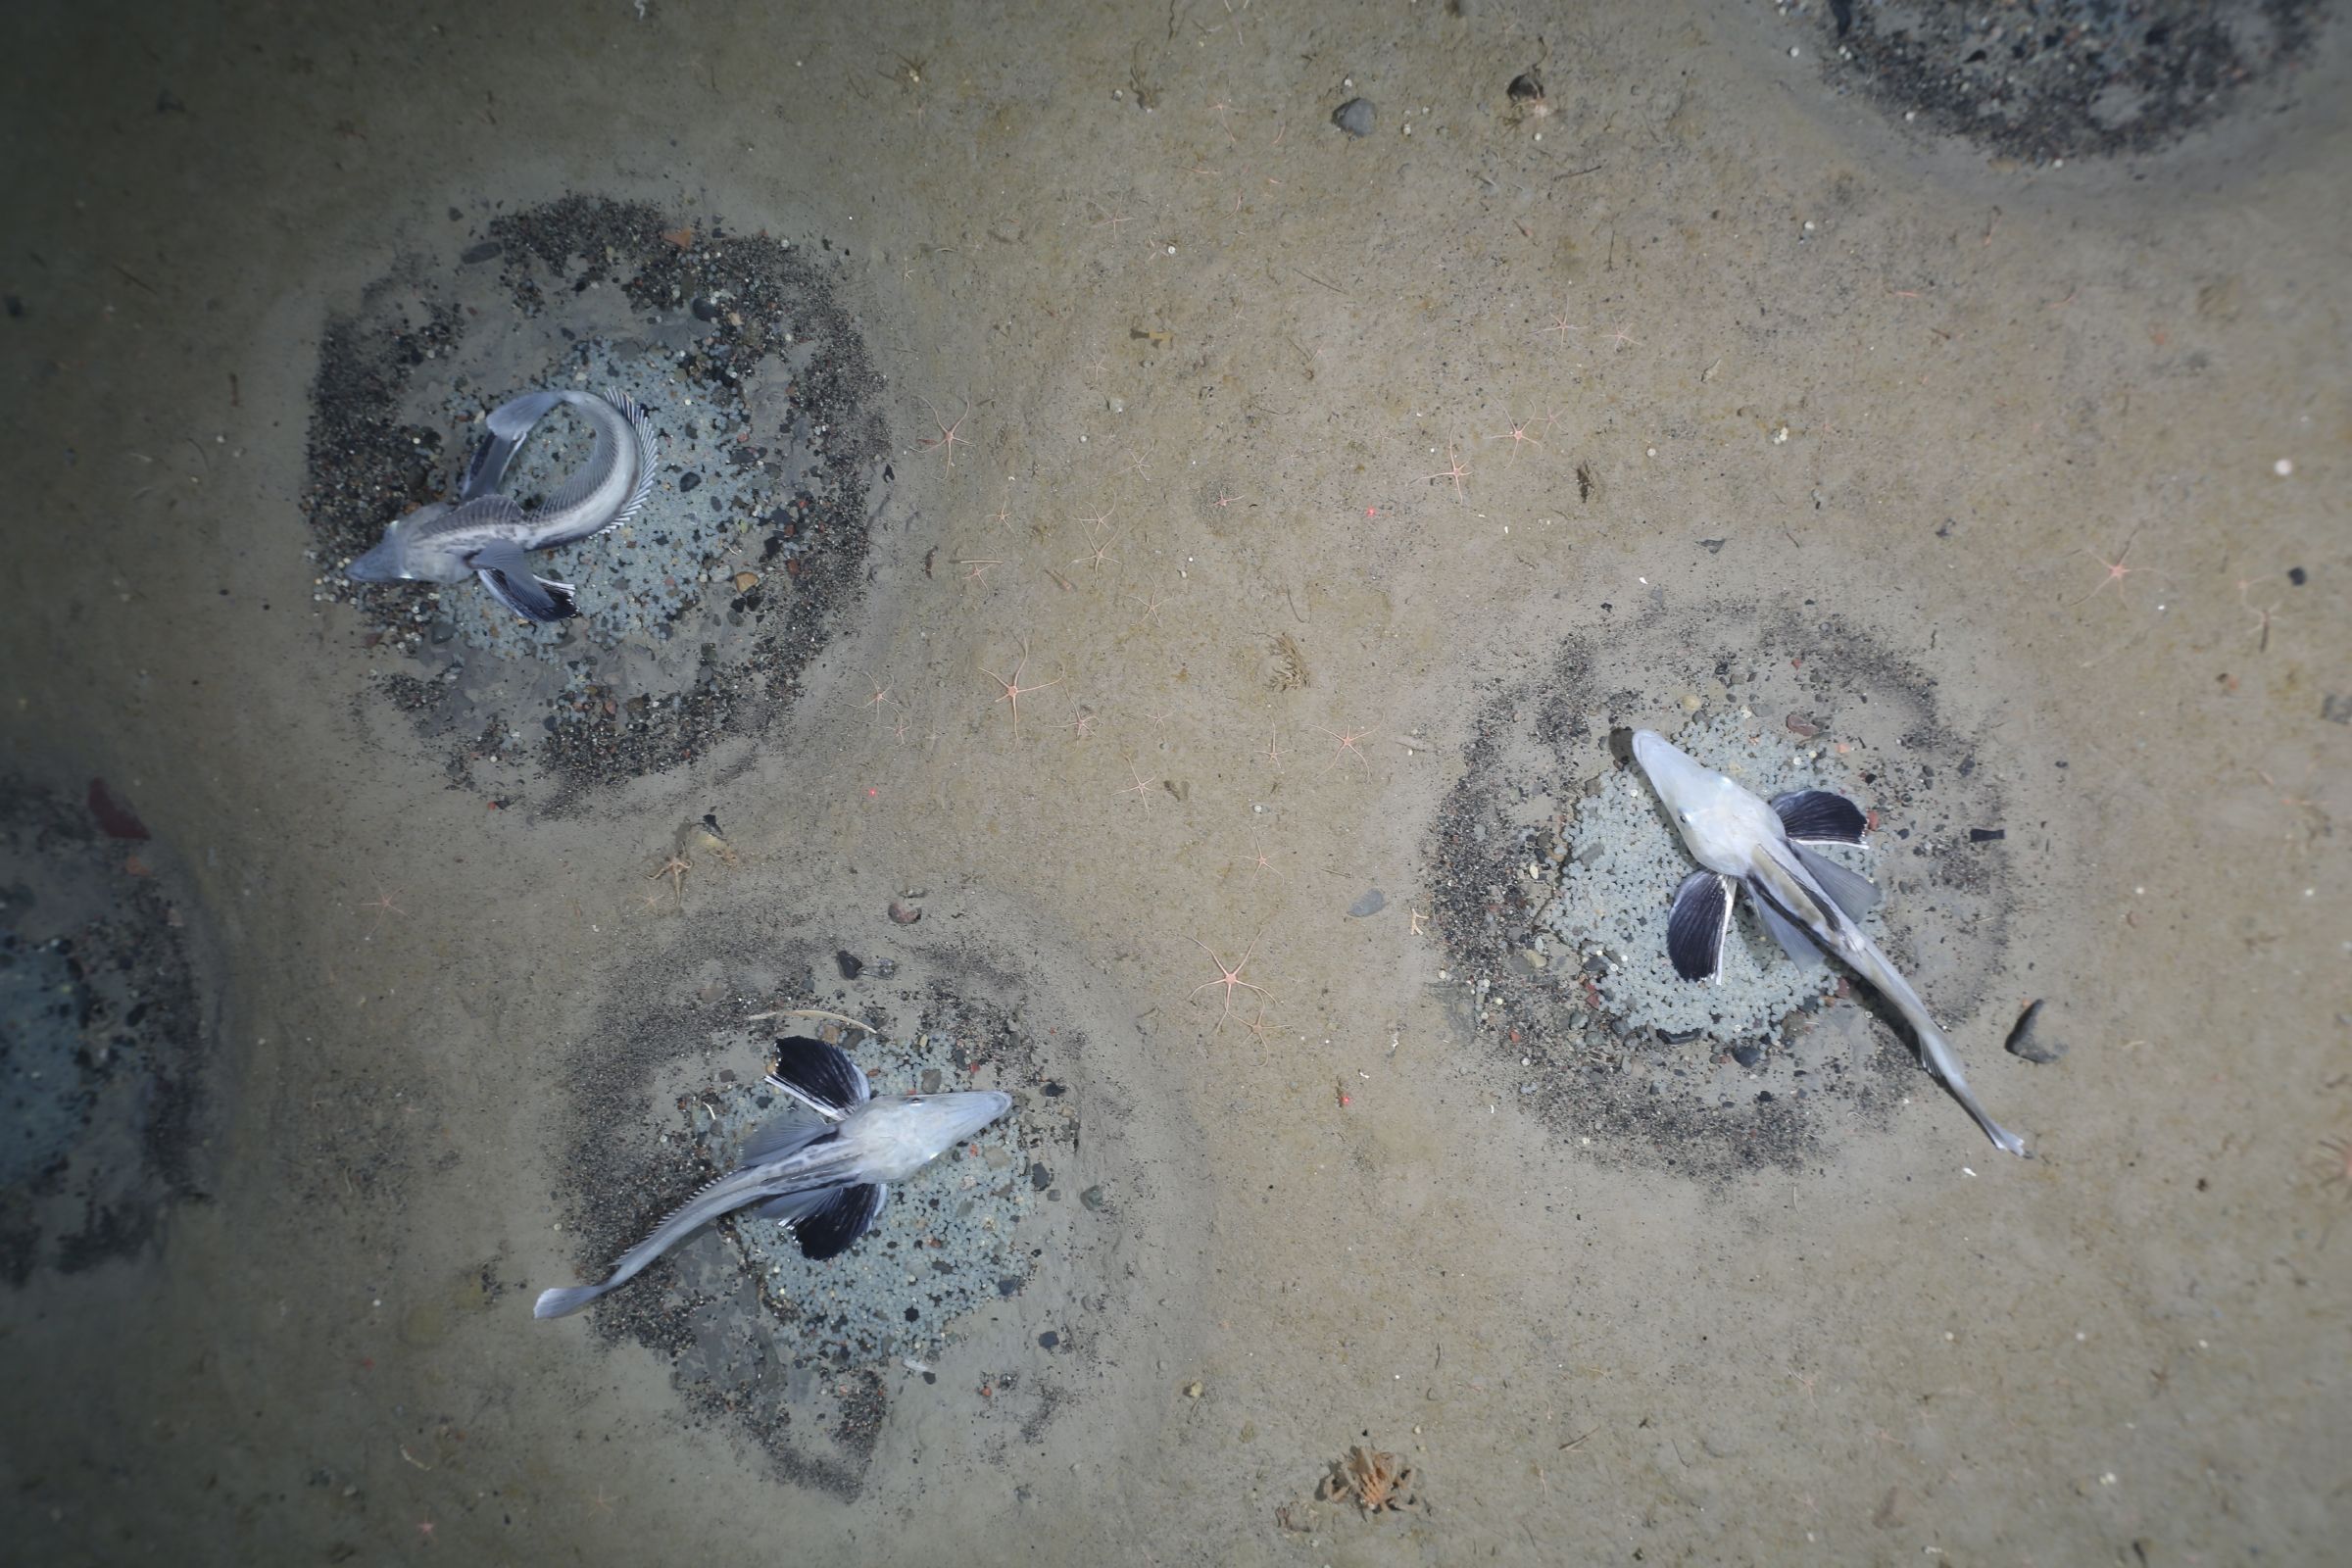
(564, 1301)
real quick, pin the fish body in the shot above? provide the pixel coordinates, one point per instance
(1808, 903)
(487, 533)
(825, 1171)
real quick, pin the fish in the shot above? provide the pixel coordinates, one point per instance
(822, 1169)
(486, 532)
(1806, 902)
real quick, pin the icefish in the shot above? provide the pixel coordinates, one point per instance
(824, 1171)
(486, 532)
(1738, 837)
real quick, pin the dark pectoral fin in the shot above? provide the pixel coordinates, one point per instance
(794, 1207)
(824, 1074)
(1694, 927)
(503, 571)
(1852, 891)
(1816, 816)
(1785, 931)
(833, 1228)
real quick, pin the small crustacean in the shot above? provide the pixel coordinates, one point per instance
(1374, 1481)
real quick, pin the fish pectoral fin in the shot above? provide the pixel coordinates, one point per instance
(1852, 891)
(504, 571)
(794, 1207)
(1787, 933)
(848, 1214)
(1816, 816)
(1695, 926)
(510, 423)
(820, 1076)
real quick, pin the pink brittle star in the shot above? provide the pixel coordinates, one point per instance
(1455, 473)
(1346, 747)
(1015, 690)
(2117, 570)
(1099, 545)
(1230, 979)
(1518, 437)
(948, 440)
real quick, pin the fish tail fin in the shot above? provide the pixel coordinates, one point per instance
(564, 1301)
(1945, 1066)
(508, 425)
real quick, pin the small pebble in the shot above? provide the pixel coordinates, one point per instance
(849, 963)
(2023, 1043)
(1747, 1055)
(1354, 117)
(905, 913)
(1799, 725)
(1372, 903)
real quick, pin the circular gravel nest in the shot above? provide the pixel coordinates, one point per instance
(1562, 1000)
(2064, 78)
(699, 614)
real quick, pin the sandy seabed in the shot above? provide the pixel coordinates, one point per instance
(1330, 499)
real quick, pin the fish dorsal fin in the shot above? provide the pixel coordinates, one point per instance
(832, 1229)
(822, 1077)
(784, 1135)
(1816, 816)
(1852, 891)
(1695, 926)
(647, 455)
(1785, 931)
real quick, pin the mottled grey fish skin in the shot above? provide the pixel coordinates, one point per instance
(1737, 835)
(442, 542)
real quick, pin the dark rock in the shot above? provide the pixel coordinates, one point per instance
(1526, 87)
(1372, 903)
(1040, 1177)
(1092, 1197)
(2297, 576)
(1679, 1037)
(1747, 1053)
(850, 963)
(1354, 117)
(1986, 835)
(2025, 1041)
(689, 479)
(1048, 1340)
(1054, 1090)
(705, 310)
(487, 251)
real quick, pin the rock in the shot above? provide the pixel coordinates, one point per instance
(905, 913)
(1048, 1340)
(705, 310)
(475, 254)
(1040, 1177)
(1748, 1054)
(1525, 87)
(1354, 117)
(1372, 903)
(2024, 1040)
(849, 963)
(1092, 1197)
(1800, 724)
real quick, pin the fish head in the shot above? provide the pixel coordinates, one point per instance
(898, 1135)
(1723, 824)
(401, 557)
